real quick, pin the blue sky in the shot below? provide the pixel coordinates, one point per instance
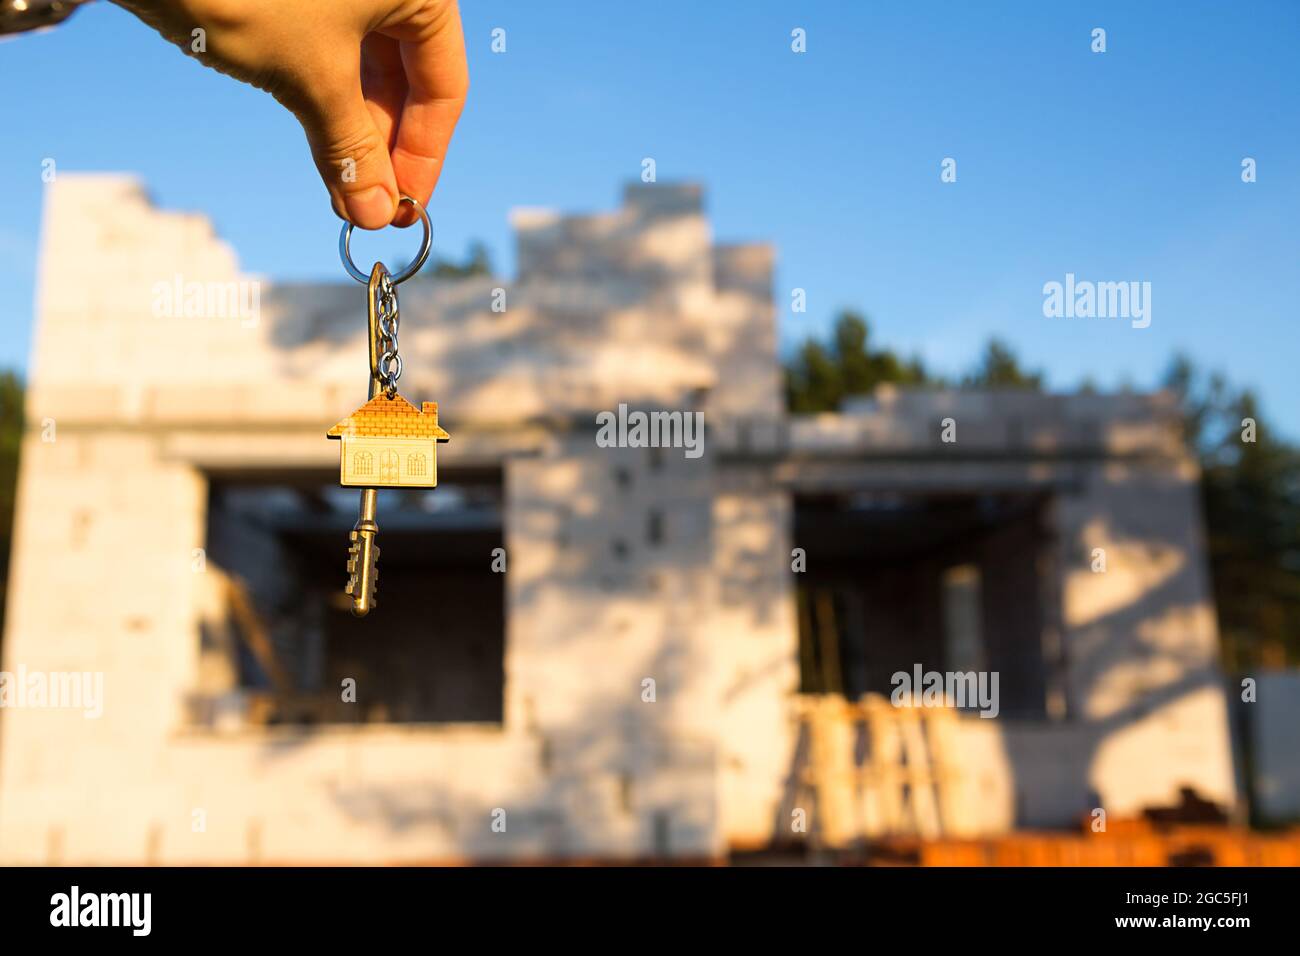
(1116, 166)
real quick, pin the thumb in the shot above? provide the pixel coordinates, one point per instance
(350, 153)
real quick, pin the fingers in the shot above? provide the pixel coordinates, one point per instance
(378, 85)
(380, 123)
(432, 51)
(350, 150)
(383, 83)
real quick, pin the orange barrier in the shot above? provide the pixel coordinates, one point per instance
(1133, 846)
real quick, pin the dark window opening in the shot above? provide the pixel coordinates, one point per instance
(654, 527)
(279, 642)
(948, 582)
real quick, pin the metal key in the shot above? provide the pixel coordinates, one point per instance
(388, 430)
(363, 556)
(363, 553)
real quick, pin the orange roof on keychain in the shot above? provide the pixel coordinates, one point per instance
(395, 417)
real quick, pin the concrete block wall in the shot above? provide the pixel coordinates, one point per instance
(1131, 650)
(1141, 637)
(597, 609)
(753, 638)
(111, 512)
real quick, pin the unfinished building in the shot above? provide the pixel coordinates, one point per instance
(580, 652)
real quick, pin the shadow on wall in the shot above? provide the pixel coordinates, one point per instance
(610, 561)
(1146, 713)
(607, 583)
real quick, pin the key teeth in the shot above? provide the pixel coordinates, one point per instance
(355, 551)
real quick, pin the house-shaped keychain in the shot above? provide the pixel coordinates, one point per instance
(389, 443)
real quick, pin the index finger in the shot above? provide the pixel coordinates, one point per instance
(432, 47)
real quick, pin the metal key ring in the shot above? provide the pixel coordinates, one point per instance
(345, 248)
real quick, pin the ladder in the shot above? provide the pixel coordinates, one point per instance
(873, 769)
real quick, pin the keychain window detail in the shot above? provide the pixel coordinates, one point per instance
(392, 431)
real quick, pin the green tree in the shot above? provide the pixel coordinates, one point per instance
(477, 262)
(1251, 493)
(821, 376)
(999, 368)
(11, 433)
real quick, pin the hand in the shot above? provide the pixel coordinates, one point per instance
(377, 84)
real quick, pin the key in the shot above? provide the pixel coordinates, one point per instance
(363, 553)
(387, 441)
(363, 556)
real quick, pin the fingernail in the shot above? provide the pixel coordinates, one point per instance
(370, 209)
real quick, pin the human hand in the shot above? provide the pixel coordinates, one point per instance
(377, 84)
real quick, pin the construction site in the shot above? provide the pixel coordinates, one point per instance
(585, 650)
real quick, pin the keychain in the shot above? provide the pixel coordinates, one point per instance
(387, 442)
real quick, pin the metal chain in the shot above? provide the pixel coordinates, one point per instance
(390, 362)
